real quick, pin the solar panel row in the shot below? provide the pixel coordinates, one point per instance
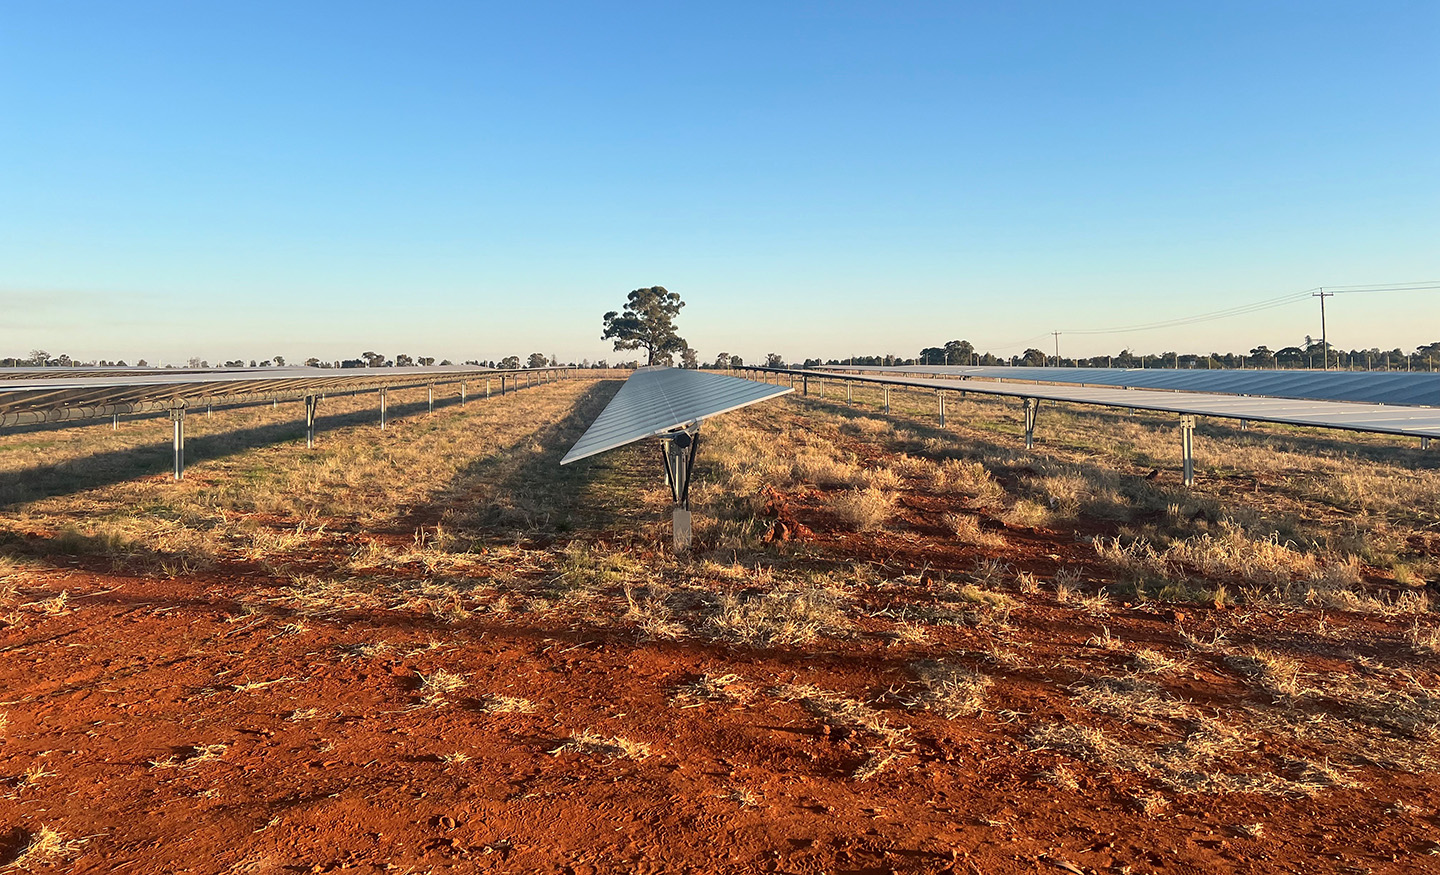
(1371, 387)
(1379, 418)
(55, 398)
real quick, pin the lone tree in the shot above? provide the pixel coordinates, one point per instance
(648, 323)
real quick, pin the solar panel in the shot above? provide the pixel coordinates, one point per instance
(659, 400)
(1372, 387)
(64, 395)
(1380, 418)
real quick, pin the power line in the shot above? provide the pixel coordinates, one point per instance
(1239, 309)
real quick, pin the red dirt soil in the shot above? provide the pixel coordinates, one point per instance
(168, 729)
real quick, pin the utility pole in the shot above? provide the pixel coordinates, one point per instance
(1057, 348)
(1324, 345)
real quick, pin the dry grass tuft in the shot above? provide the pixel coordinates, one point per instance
(839, 712)
(796, 616)
(439, 684)
(951, 691)
(1129, 697)
(200, 754)
(967, 530)
(493, 703)
(1147, 661)
(45, 846)
(1275, 673)
(874, 764)
(613, 747)
(864, 510)
(710, 688)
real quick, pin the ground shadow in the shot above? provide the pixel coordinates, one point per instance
(543, 498)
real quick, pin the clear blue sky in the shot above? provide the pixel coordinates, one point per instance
(816, 179)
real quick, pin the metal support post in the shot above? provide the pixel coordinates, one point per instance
(849, 399)
(115, 422)
(382, 409)
(1187, 448)
(1424, 443)
(311, 402)
(679, 450)
(941, 396)
(208, 409)
(805, 385)
(887, 399)
(462, 393)
(487, 390)
(177, 416)
(1244, 425)
(430, 392)
(1032, 406)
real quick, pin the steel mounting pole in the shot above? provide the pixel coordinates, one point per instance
(382, 408)
(462, 393)
(430, 393)
(1187, 448)
(177, 416)
(311, 403)
(849, 399)
(1032, 405)
(887, 399)
(679, 450)
(941, 396)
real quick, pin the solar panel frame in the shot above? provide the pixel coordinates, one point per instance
(657, 400)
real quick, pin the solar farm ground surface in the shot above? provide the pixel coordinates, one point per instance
(896, 648)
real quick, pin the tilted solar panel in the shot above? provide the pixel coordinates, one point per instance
(658, 400)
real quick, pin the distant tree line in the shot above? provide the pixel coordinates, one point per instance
(39, 358)
(1312, 354)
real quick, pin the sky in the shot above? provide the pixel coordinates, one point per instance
(475, 180)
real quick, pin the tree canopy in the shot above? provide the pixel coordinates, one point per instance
(648, 323)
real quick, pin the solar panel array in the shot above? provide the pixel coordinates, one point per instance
(54, 398)
(1379, 418)
(1371, 387)
(659, 400)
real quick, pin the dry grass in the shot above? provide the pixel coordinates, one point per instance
(45, 847)
(1274, 673)
(611, 747)
(967, 530)
(951, 691)
(864, 510)
(784, 616)
(706, 689)
(1198, 763)
(843, 713)
(494, 703)
(440, 683)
